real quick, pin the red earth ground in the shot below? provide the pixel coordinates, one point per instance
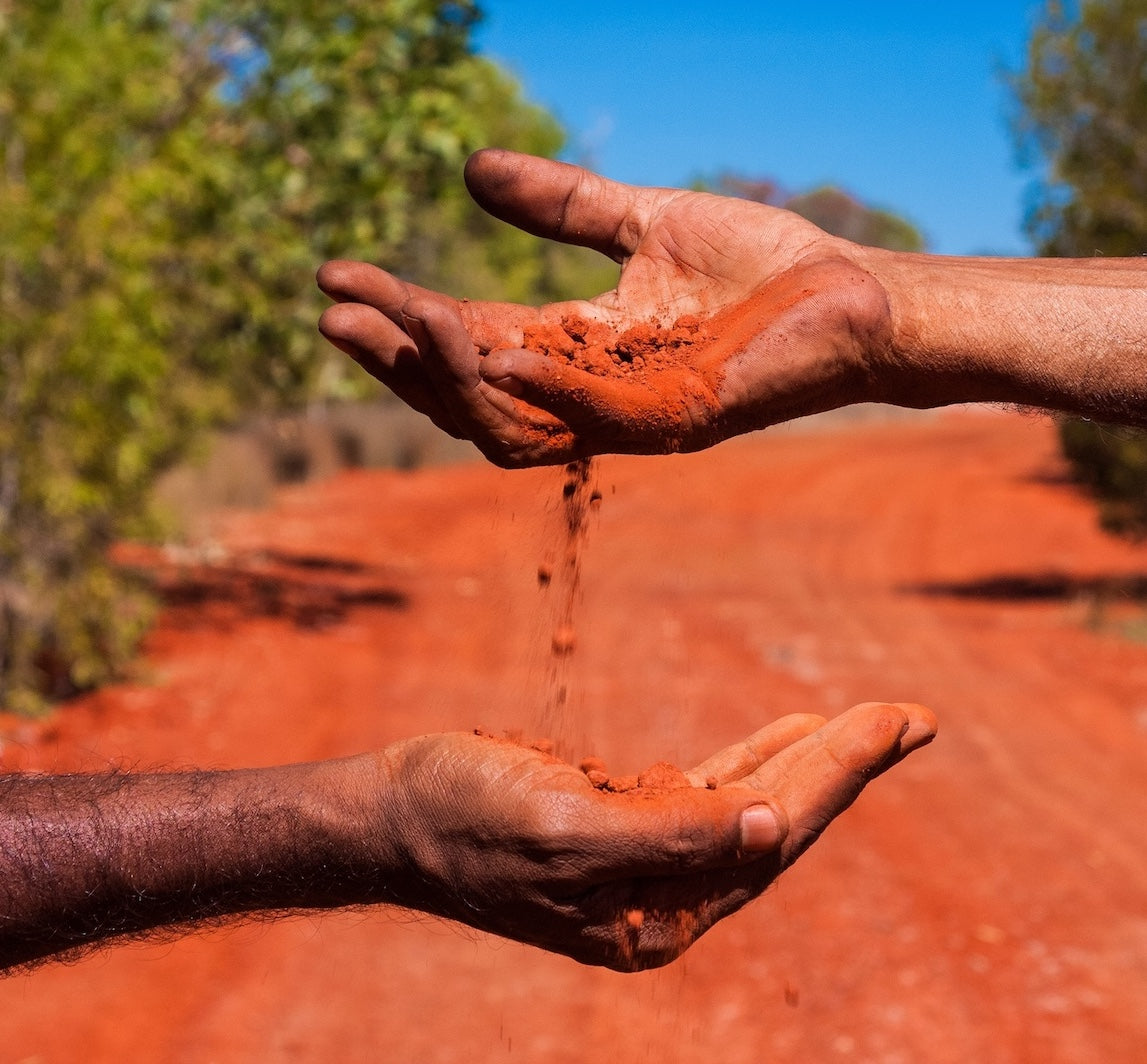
(984, 902)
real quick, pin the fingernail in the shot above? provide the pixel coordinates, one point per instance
(760, 829)
(921, 728)
(509, 385)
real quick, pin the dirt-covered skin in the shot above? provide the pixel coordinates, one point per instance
(983, 902)
(795, 322)
(790, 323)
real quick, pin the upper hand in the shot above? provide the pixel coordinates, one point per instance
(796, 326)
(511, 840)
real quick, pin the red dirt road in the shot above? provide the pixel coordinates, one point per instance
(986, 901)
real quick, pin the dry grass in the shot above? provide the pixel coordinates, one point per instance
(242, 467)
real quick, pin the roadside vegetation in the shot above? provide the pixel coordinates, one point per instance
(171, 173)
(1082, 118)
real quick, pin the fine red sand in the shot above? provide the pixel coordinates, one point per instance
(986, 901)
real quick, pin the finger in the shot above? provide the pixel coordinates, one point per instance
(508, 432)
(450, 360)
(562, 202)
(922, 727)
(660, 413)
(647, 921)
(819, 777)
(387, 353)
(747, 756)
(489, 324)
(919, 731)
(544, 381)
(676, 832)
(360, 282)
(603, 409)
(498, 325)
(871, 736)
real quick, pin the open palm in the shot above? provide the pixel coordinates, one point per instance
(789, 320)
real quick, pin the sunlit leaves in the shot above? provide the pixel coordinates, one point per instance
(171, 174)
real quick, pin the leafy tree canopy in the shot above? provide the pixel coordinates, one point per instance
(171, 174)
(1081, 112)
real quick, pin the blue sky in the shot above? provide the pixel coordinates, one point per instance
(900, 103)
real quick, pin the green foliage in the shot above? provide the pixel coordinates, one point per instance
(1112, 462)
(1082, 103)
(1082, 111)
(171, 173)
(833, 209)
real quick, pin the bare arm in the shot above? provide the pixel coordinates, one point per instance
(1059, 334)
(795, 322)
(484, 831)
(84, 858)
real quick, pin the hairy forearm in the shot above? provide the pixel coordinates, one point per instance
(1059, 334)
(87, 858)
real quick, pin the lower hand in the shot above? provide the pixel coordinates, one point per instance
(510, 840)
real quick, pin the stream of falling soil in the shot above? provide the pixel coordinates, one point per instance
(559, 579)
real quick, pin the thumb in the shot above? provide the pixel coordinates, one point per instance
(559, 201)
(682, 831)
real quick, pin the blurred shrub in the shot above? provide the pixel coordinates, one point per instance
(171, 173)
(1112, 462)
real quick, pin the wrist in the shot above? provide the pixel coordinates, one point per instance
(1059, 334)
(394, 827)
(923, 360)
(351, 810)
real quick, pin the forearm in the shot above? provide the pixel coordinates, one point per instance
(86, 858)
(1059, 334)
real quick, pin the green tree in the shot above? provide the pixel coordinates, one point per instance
(1082, 114)
(171, 173)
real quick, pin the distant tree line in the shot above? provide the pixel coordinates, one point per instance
(834, 210)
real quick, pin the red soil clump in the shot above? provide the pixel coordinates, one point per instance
(599, 349)
(660, 778)
(651, 378)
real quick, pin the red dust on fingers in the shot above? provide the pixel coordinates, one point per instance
(507, 433)
(922, 727)
(659, 832)
(652, 413)
(446, 347)
(919, 730)
(817, 778)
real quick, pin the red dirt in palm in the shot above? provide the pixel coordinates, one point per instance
(985, 901)
(596, 348)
